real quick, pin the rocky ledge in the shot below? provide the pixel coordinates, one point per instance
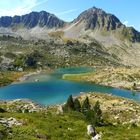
(21, 106)
(9, 122)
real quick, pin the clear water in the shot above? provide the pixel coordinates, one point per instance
(52, 90)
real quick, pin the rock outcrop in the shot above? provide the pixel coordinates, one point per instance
(9, 122)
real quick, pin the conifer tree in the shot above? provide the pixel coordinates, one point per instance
(77, 105)
(97, 113)
(70, 104)
(94, 116)
(86, 105)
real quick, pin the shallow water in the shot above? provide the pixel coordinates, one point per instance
(52, 90)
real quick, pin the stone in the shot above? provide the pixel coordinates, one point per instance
(9, 122)
(60, 110)
(41, 136)
(20, 69)
(115, 123)
(69, 129)
(116, 117)
(91, 130)
(96, 137)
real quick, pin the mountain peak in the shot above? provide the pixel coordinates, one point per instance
(97, 18)
(96, 10)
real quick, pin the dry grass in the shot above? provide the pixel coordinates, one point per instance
(116, 77)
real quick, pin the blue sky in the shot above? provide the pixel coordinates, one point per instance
(128, 11)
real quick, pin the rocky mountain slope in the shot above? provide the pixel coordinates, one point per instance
(97, 18)
(93, 25)
(108, 30)
(97, 21)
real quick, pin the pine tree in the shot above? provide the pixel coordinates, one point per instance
(97, 114)
(90, 116)
(77, 105)
(86, 105)
(70, 104)
(94, 116)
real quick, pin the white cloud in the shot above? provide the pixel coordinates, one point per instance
(25, 7)
(126, 23)
(66, 12)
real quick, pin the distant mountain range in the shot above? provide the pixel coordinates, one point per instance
(93, 19)
(32, 20)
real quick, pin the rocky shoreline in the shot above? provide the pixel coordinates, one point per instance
(19, 77)
(116, 107)
(122, 78)
(21, 105)
(26, 76)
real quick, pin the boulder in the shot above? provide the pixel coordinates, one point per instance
(60, 110)
(9, 122)
(96, 137)
(91, 130)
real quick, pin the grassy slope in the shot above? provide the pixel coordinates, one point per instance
(60, 127)
(9, 77)
(47, 124)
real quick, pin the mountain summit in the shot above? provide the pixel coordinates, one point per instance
(97, 18)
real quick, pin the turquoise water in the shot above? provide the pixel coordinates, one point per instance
(52, 90)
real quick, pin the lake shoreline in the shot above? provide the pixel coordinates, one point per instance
(30, 74)
(121, 78)
(46, 90)
(106, 85)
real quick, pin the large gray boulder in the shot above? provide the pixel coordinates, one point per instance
(91, 130)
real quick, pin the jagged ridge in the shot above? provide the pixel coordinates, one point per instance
(32, 20)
